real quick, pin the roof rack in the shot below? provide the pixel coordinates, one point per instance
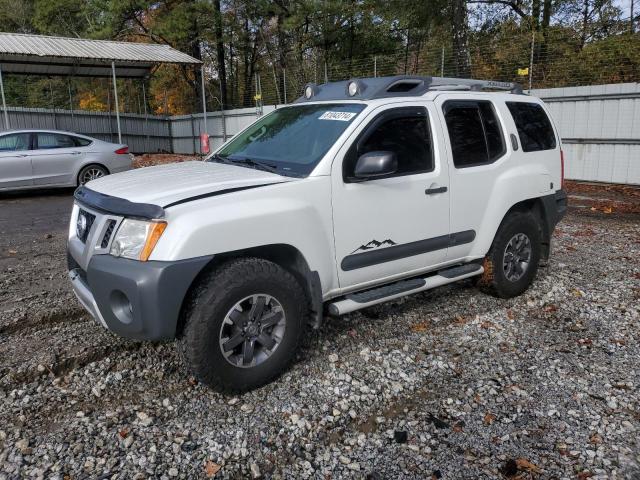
(397, 86)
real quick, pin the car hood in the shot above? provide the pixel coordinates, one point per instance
(164, 185)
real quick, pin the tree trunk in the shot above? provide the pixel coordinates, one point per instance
(535, 15)
(222, 72)
(460, 40)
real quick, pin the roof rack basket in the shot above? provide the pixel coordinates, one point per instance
(398, 86)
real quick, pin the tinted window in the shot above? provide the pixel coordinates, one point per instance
(404, 132)
(292, 139)
(534, 127)
(474, 131)
(14, 142)
(54, 140)
(81, 142)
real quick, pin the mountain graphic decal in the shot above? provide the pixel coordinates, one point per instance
(374, 244)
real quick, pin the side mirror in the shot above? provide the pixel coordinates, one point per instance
(376, 164)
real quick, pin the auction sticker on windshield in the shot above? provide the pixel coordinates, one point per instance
(341, 116)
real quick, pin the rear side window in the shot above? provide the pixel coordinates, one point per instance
(534, 127)
(14, 142)
(81, 142)
(54, 140)
(474, 131)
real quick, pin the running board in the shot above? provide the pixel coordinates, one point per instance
(368, 298)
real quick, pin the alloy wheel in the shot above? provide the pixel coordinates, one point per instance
(252, 330)
(517, 257)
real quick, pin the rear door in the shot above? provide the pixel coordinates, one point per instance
(476, 140)
(55, 159)
(15, 162)
(388, 227)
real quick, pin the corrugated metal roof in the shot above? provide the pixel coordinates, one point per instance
(39, 54)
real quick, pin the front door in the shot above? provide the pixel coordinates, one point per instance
(15, 163)
(387, 227)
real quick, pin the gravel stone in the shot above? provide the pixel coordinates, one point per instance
(540, 386)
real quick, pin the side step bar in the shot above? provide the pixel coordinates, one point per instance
(368, 298)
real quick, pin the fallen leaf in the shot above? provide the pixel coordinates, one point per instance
(607, 209)
(487, 325)
(420, 327)
(192, 381)
(550, 308)
(585, 341)
(211, 468)
(584, 475)
(489, 418)
(524, 464)
(510, 314)
(123, 433)
(595, 439)
(13, 252)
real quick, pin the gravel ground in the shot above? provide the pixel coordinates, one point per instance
(446, 384)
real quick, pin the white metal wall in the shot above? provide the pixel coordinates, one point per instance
(600, 130)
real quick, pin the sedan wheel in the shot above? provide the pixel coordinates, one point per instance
(91, 173)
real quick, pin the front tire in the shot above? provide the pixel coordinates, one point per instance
(512, 262)
(244, 324)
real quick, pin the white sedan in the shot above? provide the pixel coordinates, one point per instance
(51, 158)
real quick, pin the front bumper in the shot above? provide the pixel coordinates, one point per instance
(139, 300)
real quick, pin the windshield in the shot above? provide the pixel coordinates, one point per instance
(291, 140)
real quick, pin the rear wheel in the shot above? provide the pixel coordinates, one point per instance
(91, 172)
(512, 262)
(243, 325)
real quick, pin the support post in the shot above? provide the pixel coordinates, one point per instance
(375, 66)
(204, 100)
(146, 116)
(442, 63)
(115, 99)
(284, 81)
(533, 43)
(4, 102)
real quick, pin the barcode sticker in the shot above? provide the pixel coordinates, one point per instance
(341, 116)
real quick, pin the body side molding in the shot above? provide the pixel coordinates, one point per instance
(396, 252)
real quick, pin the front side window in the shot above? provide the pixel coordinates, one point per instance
(534, 127)
(14, 142)
(405, 132)
(474, 131)
(291, 140)
(54, 140)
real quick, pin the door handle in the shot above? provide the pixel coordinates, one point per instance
(435, 190)
(76, 153)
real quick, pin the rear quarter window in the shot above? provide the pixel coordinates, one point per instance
(82, 142)
(534, 127)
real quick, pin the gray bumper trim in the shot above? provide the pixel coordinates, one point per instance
(139, 300)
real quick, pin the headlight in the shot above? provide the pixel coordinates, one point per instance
(136, 239)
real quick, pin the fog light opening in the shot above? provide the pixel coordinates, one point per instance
(121, 307)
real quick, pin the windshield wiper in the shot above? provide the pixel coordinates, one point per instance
(257, 164)
(216, 157)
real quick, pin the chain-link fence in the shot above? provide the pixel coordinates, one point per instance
(557, 58)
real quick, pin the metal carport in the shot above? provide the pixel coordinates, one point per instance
(60, 56)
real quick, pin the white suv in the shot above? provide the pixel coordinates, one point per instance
(361, 192)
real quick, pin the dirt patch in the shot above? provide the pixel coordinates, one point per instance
(148, 160)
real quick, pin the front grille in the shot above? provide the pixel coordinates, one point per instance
(83, 224)
(107, 234)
